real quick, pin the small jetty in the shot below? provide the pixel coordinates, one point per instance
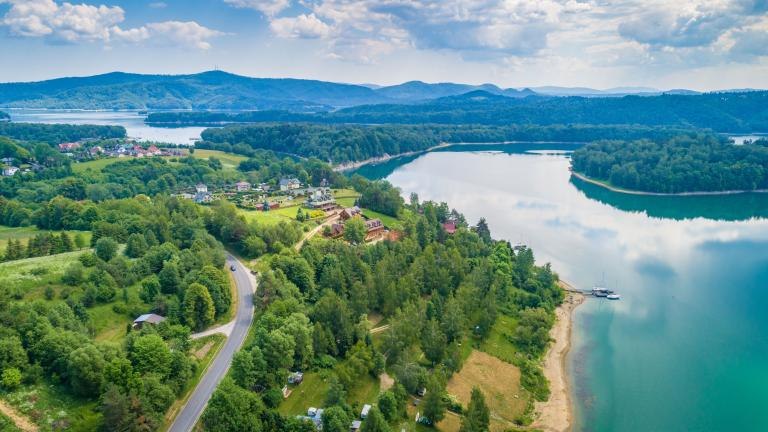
(598, 291)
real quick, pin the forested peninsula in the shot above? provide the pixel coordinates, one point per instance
(683, 164)
(350, 143)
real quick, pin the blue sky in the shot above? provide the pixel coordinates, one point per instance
(698, 44)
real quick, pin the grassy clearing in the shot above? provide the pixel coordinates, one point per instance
(345, 194)
(272, 217)
(95, 165)
(346, 202)
(33, 274)
(310, 393)
(365, 391)
(7, 425)
(228, 160)
(25, 233)
(498, 342)
(500, 383)
(53, 409)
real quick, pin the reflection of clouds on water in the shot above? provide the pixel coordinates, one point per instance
(590, 233)
(654, 267)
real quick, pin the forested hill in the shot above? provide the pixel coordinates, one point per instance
(348, 143)
(216, 90)
(723, 112)
(679, 165)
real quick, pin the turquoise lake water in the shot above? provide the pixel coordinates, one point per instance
(686, 349)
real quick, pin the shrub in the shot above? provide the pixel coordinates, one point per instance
(11, 378)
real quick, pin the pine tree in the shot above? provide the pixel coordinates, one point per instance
(66, 242)
(434, 405)
(478, 416)
(375, 422)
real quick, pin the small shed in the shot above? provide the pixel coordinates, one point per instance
(355, 426)
(295, 378)
(149, 318)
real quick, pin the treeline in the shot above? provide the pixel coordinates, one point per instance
(345, 143)
(41, 245)
(682, 164)
(178, 267)
(437, 291)
(723, 112)
(54, 134)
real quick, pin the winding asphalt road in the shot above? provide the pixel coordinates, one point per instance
(195, 405)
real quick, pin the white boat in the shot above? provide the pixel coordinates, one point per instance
(613, 297)
(599, 291)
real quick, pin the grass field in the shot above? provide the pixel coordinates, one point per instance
(228, 160)
(389, 221)
(6, 425)
(311, 393)
(500, 383)
(24, 233)
(498, 342)
(32, 274)
(95, 165)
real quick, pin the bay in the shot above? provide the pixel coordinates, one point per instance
(686, 349)
(132, 121)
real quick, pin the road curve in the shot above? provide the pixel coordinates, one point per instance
(195, 405)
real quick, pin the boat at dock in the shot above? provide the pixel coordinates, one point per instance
(599, 291)
(613, 297)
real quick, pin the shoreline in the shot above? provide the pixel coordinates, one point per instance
(634, 192)
(384, 158)
(556, 414)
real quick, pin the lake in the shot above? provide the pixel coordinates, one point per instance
(131, 120)
(686, 347)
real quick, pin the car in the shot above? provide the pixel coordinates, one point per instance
(232, 267)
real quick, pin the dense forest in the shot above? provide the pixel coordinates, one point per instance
(58, 133)
(722, 112)
(345, 143)
(682, 164)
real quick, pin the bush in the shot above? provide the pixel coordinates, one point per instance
(11, 378)
(88, 259)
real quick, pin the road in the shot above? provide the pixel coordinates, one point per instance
(195, 405)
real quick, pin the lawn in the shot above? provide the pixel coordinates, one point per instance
(24, 233)
(346, 202)
(228, 160)
(500, 383)
(345, 194)
(94, 165)
(310, 393)
(271, 217)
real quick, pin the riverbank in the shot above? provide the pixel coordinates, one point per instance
(634, 192)
(556, 414)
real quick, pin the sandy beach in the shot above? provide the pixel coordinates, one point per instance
(556, 414)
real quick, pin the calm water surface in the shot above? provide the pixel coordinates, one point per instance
(686, 349)
(131, 120)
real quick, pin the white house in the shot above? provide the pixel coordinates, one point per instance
(9, 171)
(289, 184)
(201, 188)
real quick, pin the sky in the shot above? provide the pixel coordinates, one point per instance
(694, 44)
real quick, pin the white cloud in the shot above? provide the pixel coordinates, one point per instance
(302, 26)
(67, 22)
(267, 7)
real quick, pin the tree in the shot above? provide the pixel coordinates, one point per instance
(169, 277)
(85, 370)
(483, 231)
(149, 353)
(233, 408)
(199, 310)
(136, 246)
(150, 288)
(73, 274)
(434, 404)
(433, 342)
(80, 241)
(477, 418)
(375, 422)
(116, 407)
(106, 248)
(388, 406)
(355, 231)
(336, 419)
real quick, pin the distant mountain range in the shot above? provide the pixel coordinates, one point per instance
(217, 90)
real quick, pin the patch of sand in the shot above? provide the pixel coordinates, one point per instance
(556, 415)
(200, 354)
(385, 382)
(20, 420)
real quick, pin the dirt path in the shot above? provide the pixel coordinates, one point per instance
(379, 329)
(20, 420)
(315, 230)
(555, 415)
